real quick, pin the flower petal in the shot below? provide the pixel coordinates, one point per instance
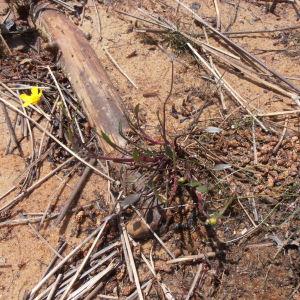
(25, 97)
(34, 98)
(26, 103)
(34, 91)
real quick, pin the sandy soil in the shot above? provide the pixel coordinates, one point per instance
(25, 256)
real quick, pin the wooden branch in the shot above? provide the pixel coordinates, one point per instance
(88, 77)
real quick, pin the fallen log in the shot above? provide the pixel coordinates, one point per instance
(88, 78)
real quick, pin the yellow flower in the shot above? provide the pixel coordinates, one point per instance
(34, 98)
(212, 221)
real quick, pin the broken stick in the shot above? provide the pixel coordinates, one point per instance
(99, 98)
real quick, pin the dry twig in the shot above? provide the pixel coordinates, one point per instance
(195, 282)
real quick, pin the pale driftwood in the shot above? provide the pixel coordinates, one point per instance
(89, 79)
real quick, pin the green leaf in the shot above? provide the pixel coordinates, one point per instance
(202, 189)
(198, 186)
(169, 152)
(136, 155)
(149, 153)
(193, 183)
(108, 140)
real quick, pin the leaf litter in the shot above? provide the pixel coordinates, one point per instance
(200, 200)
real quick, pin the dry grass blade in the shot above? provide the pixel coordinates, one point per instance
(191, 258)
(246, 212)
(132, 263)
(55, 139)
(54, 288)
(236, 64)
(60, 92)
(104, 250)
(230, 90)
(237, 47)
(68, 275)
(135, 293)
(156, 236)
(46, 128)
(295, 291)
(64, 4)
(11, 130)
(60, 248)
(45, 241)
(216, 70)
(76, 192)
(119, 68)
(8, 192)
(88, 285)
(126, 257)
(26, 221)
(35, 185)
(276, 148)
(255, 161)
(163, 286)
(56, 193)
(71, 254)
(253, 229)
(64, 296)
(216, 3)
(98, 20)
(195, 282)
(279, 113)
